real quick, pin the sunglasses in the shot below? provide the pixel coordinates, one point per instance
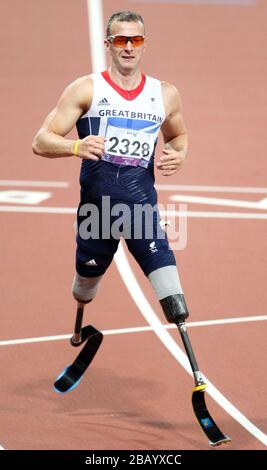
(122, 41)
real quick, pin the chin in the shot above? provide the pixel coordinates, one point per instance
(127, 67)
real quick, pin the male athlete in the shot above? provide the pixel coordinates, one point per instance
(118, 114)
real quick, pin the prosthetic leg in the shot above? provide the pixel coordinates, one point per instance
(72, 374)
(175, 310)
(76, 339)
(80, 334)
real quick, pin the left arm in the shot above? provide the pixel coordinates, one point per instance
(174, 132)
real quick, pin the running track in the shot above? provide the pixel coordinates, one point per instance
(136, 395)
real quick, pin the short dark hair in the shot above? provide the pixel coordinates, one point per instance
(124, 15)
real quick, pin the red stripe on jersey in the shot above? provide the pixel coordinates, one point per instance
(127, 94)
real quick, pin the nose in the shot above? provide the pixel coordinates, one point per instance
(129, 45)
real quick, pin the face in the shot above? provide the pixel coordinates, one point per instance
(128, 57)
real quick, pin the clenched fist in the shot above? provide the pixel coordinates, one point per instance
(91, 147)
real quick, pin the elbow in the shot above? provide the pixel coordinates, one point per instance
(36, 147)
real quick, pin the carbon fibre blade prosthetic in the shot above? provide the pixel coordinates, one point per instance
(206, 422)
(72, 374)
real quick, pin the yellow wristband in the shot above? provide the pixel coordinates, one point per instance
(76, 146)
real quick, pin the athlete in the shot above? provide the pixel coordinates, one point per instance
(118, 114)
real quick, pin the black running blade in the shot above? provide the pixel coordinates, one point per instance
(208, 426)
(72, 375)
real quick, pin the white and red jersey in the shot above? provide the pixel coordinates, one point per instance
(130, 120)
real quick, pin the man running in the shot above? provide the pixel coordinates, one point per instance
(118, 114)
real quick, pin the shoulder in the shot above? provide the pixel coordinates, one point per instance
(169, 91)
(80, 85)
(85, 80)
(79, 91)
(171, 97)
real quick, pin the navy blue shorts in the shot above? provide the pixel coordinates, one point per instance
(98, 239)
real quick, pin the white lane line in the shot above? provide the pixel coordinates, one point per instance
(22, 197)
(96, 34)
(215, 201)
(41, 339)
(39, 210)
(137, 329)
(212, 189)
(213, 215)
(35, 184)
(189, 214)
(222, 321)
(151, 317)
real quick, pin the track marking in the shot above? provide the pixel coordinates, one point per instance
(39, 184)
(137, 329)
(160, 187)
(189, 214)
(211, 189)
(215, 201)
(39, 210)
(213, 215)
(15, 196)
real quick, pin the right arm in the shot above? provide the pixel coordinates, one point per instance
(50, 140)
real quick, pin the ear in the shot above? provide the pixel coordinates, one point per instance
(107, 44)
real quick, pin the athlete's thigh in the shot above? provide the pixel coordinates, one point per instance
(150, 248)
(94, 256)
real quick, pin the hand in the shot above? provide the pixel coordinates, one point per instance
(171, 161)
(91, 147)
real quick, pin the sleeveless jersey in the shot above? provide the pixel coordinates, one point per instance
(130, 122)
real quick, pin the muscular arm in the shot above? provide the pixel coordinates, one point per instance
(174, 132)
(50, 140)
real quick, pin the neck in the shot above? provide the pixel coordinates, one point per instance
(127, 80)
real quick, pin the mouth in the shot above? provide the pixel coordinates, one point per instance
(128, 57)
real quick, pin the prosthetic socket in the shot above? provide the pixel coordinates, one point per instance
(174, 308)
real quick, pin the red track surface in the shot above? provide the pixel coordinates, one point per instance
(136, 395)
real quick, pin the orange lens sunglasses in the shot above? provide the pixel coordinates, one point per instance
(121, 41)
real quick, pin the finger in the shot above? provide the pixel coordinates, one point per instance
(166, 151)
(96, 146)
(90, 157)
(94, 140)
(168, 167)
(99, 139)
(168, 158)
(162, 165)
(168, 173)
(97, 152)
(92, 146)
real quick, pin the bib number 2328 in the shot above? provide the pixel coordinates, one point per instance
(129, 143)
(126, 147)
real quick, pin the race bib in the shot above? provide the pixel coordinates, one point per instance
(128, 146)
